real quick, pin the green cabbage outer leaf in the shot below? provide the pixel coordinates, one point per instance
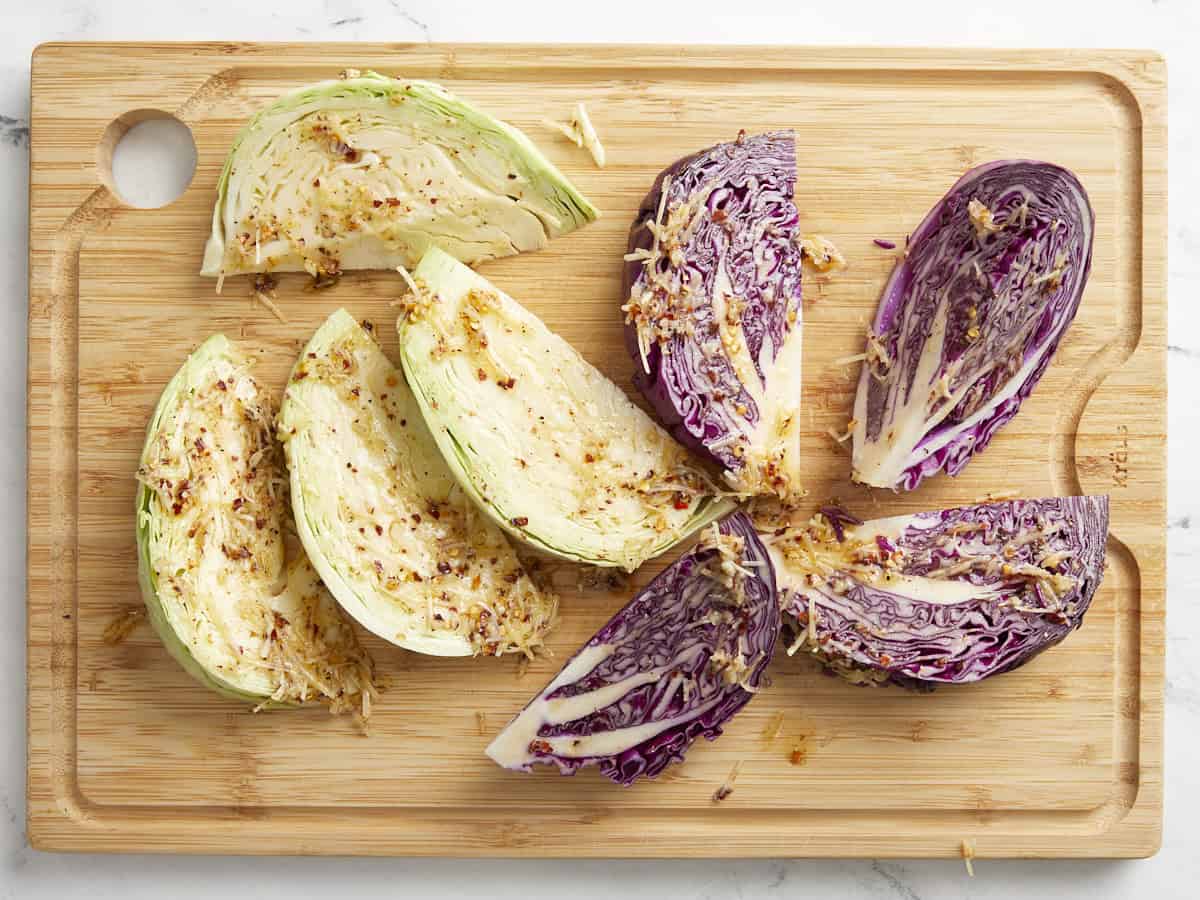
(368, 172)
(211, 506)
(395, 539)
(552, 450)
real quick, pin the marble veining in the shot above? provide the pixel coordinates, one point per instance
(894, 876)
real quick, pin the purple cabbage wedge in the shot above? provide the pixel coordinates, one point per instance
(676, 663)
(969, 320)
(712, 281)
(950, 596)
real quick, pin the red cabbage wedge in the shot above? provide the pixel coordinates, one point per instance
(969, 319)
(684, 656)
(950, 596)
(712, 282)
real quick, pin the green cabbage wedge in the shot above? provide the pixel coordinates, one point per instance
(552, 450)
(395, 539)
(211, 511)
(368, 172)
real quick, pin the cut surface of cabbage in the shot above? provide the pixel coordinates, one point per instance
(551, 449)
(368, 172)
(970, 319)
(676, 663)
(947, 596)
(211, 515)
(397, 541)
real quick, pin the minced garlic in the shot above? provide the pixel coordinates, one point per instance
(821, 253)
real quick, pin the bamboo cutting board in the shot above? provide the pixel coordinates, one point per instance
(1061, 758)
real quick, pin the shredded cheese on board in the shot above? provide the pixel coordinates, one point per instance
(981, 217)
(726, 787)
(580, 132)
(821, 253)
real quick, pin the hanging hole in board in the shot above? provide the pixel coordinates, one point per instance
(147, 158)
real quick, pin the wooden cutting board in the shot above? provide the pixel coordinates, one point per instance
(1061, 758)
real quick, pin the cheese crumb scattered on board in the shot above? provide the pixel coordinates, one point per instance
(774, 727)
(727, 787)
(821, 253)
(580, 131)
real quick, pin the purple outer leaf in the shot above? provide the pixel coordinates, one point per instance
(886, 629)
(739, 242)
(838, 519)
(973, 313)
(651, 672)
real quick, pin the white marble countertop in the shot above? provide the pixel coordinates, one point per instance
(1171, 26)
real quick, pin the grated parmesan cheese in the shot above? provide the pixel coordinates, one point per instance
(580, 131)
(879, 360)
(1054, 277)
(264, 292)
(981, 217)
(821, 253)
(967, 849)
